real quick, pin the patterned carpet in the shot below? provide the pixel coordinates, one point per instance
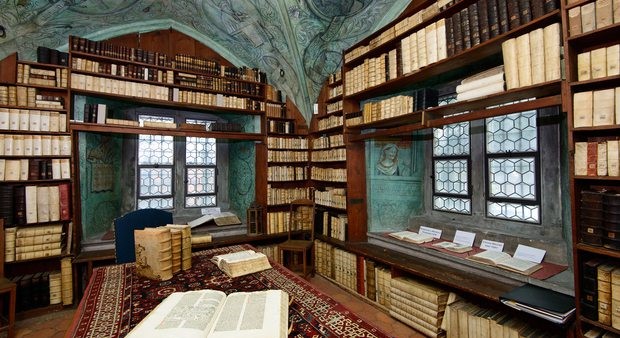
(117, 299)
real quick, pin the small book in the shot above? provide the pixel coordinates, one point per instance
(454, 247)
(220, 219)
(412, 237)
(241, 263)
(210, 313)
(505, 261)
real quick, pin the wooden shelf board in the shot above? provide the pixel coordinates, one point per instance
(60, 110)
(593, 39)
(121, 129)
(599, 250)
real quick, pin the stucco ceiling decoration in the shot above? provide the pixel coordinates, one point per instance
(298, 43)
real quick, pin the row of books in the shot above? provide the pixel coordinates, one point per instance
(287, 173)
(286, 143)
(331, 197)
(35, 169)
(485, 83)
(218, 84)
(279, 222)
(218, 100)
(27, 74)
(334, 77)
(279, 196)
(334, 107)
(599, 218)
(330, 122)
(354, 119)
(274, 94)
(38, 204)
(375, 71)
(593, 15)
(421, 48)
(225, 127)
(328, 141)
(281, 127)
(600, 294)
(329, 155)
(51, 56)
(596, 108)
(398, 29)
(345, 269)
(271, 251)
(597, 158)
(329, 174)
(178, 61)
(275, 109)
(419, 305)
(32, 120)
(337, 225)
(533, 57)
(387, 108)
(287, 156)
(23, 243)
(27, 97)
(131, 71)
(37, 290)
(598, 63)
(335, 91)
(323, 262)
(163, 251)
(35, 145)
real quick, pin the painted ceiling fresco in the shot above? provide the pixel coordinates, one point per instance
(296, 42)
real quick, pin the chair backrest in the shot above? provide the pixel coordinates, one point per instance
(135, 220)
(301, 217)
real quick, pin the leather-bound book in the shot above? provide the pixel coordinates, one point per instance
(458, 36)
(465, 28)
(153, 253)
(525, 10)
(514, 14)
(474, 24)
(504, 19)
(483, 20)
(493, 16)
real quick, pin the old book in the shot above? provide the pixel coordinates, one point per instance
(474, 23)
(215, 315)
(43, 206)
(588, 17)
(525, 11)
(241, 263)
(153, 253)
(592, 158)
(504, 19)
(613, 60)
(186, 244)
(524, 61)
(616, 10)
(553, 46)
(582, 109)
(176, 249)
(458, 36)
(541, 302)
(601, 159)
(431, 43)
(220, 219)
(64, 193)
(537, 55)
(514, 15)
(9, 242)
(617, 104)
(55, 287)
(421, 47)
(574, 21)
(12, 170)
(505, 261)
(465, 29)
(411, 237)
(454, 247)
(202, 238)
(603, 107)
(511, 67)
(66, 276)
(493, 18)
(483, 20)
(54, 203)
(31, 204)
(603, 13)
(613, 158)
(598, 63)
(584, 66)
(5, 118)
(442, 45)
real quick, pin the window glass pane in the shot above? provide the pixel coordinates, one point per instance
(512, 178)
(200, 151)
(155, 181)
(451, 177)
(514, 211)
(200, 201)
(453, 204)
(155, 203)
(451, 140)
(512, 133)
(200, 180)
(155, 149)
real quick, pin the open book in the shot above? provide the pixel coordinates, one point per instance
(454, 247)
(241, 263)
(505, 261)
(219, 219)
(412, 237)
(210, 313)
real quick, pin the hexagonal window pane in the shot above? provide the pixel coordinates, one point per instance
(451, 140)
(512, 133)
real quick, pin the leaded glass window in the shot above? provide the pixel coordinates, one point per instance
(451, 168)
(155, 168)
(513, 187)
(200, 169)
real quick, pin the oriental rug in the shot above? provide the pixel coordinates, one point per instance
(116, 299)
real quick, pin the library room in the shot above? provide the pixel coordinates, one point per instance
(369, 168)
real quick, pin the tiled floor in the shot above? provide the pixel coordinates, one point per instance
(54, 325)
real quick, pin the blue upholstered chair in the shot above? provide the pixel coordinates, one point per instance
(135, 220)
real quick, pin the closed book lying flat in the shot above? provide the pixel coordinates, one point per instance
(545, 303)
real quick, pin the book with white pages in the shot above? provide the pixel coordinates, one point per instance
(212, 314)
(412, 237)
(454, 247)
(241, 263)
(505, 261)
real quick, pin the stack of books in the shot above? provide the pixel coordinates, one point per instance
(383, 276)
(33, 242)
(419, 305)
(488, 82)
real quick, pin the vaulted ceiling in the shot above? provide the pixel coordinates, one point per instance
(296, 42)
